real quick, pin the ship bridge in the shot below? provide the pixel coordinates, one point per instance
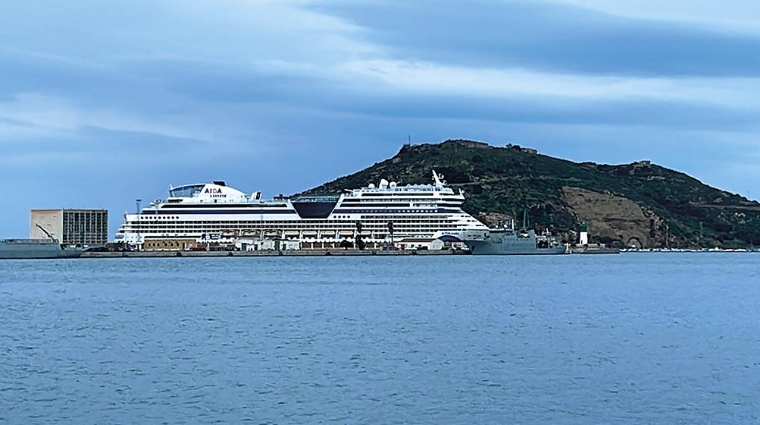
(186, 191)
(216, 192)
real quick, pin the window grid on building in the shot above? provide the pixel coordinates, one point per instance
(85, 227)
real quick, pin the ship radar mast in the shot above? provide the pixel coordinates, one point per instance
(438, 179)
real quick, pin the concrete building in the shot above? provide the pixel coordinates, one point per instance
(168, 244)
(70, 226)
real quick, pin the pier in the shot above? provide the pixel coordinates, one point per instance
(269, 253)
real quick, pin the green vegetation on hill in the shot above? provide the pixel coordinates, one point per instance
(639, 203)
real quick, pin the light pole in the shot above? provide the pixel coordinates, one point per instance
(137, 202)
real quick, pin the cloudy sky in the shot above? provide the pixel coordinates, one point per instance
(102, 103)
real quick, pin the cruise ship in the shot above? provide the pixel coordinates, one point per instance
(380, 214)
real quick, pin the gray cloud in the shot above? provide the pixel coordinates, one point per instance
(103, 103)
(550, 37)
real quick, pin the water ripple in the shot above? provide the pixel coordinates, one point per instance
(421, 340)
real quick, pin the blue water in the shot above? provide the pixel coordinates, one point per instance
(634, 339)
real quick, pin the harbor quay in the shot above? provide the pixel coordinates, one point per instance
(270, 253)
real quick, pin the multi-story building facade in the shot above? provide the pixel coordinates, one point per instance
(70, 226)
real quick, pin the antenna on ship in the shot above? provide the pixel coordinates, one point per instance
(137, 203)
(437, 179)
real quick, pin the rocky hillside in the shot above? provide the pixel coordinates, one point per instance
(630, 204)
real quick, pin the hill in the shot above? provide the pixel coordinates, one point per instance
(631, 204)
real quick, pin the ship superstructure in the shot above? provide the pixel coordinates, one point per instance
(215, 211)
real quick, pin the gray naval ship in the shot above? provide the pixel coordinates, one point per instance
(508, 241)
(36, 248)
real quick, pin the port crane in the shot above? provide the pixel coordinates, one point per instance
(46, 232)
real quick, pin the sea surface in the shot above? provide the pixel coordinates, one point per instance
(627, 339)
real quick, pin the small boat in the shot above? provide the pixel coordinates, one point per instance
(594, 249)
